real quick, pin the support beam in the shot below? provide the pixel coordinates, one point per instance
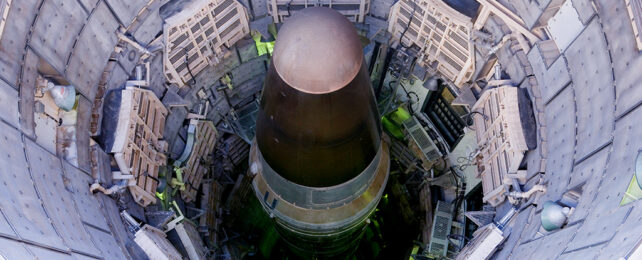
(512, 20)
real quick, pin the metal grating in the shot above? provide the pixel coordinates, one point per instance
(425, 148)
(421, 138)
(433, 155)
(446, 120)
(440, 227)
(445, 208)
(437, 248)
(442, 223)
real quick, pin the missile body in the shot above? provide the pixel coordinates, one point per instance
(319, 163)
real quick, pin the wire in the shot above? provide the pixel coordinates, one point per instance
(460, 191)
(467, 118)
(412, 112)
(288, 6)
(443, 165)
(464, 162)
(458, 236)
(396, 50)
(390, 83)
(412, 15)
(455, 173)
(412, 92)
(188, 68)
(403, 33)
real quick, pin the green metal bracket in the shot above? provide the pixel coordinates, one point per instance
(634, 190)
(227, 80)
(263, 47)
(177, 182)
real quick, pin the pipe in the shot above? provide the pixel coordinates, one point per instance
(515, 196)
(506, 218)
(189, 145)
(111, 190)
(139, 79)
(129, 219)
(121, 36)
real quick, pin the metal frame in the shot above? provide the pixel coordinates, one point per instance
(500, 137)
(138, 146)
(205, 30)
(4, 12)
(634, 8)
(204, 139)
(442, 34)
(354, 10)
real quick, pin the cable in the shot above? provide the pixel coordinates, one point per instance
(390, 83)
(403, 33)
(467, 118)
(412, 92)
(396, 50)
(460, 191)
(412, 15)
(458, 236)
(455, 173)
(443, 165)
(188, 68)
(412, 112)
(464, 162)
(288, 6)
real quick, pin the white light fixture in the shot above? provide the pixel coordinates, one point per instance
(63, 96)
(554, 216)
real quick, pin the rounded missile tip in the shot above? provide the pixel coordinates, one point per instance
(317, 51)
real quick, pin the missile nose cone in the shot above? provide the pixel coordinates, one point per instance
(317, 51)
(318, 124)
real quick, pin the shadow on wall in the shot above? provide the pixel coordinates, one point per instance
(466, 7)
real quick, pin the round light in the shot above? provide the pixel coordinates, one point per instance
(553, 216)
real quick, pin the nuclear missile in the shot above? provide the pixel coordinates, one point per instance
(318, 160)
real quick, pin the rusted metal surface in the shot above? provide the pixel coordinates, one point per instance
(317, 51)
(318, 125)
